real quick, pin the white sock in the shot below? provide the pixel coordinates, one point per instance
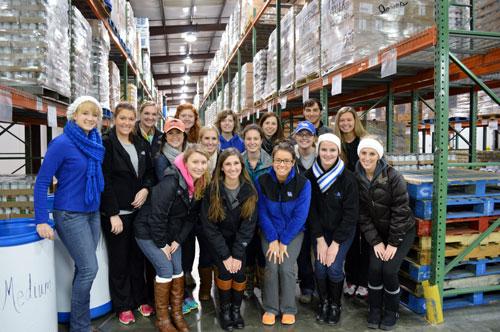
(161, 280)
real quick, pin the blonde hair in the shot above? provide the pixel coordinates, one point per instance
(201, 183)
(205, 130)
(359, 130)
(216, 211)
(148, 103)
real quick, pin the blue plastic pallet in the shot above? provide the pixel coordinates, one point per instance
(466, 269)
(496, 206)
(456, 207)
(473, 188)
(417, 304)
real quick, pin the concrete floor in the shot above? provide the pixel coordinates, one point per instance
(473, 319)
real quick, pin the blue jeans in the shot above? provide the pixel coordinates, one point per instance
(164, 267)
(334, 272)
(80, 233)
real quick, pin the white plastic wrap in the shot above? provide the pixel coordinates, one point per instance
(234, 93)
(131, 94)
(100, 55)
(114, 85)
(210, 114)
(259, 74)
(247, 9)
(80, 69)
(487, 15)
(146, 67)
(142, 26)
(485, 105)
(227, 96)
(34, 44)
(119, 17)
(246, 97)
(270, 86)
(307, 50)
(354, 29)
(131, 32)
(287, 42)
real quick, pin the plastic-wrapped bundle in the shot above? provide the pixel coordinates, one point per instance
(458, 17)
(205, 85)
(307, 50)
(34, 44)
(233, 31)
(247, 8)
(227, 96)
(270, 86)
(485, 105)
(259, 74)
(210, 114)
(80, 69)
(234, 93)
(220, 106)
(355, 29)
(287, 42)
(131, 32)
(142, 26)
(100, 55)
(487, 15)
(146, 67)
(119, 18)
(246, 96)
(114, 85)
(131, 94)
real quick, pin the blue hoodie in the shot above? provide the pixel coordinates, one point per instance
(283, 207)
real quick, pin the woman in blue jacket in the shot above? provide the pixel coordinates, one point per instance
(283, 205)
(75, 158)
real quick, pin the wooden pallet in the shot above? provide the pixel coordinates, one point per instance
(15, 216)
(45, 92)
(303, 81)
(457, 226)
(423, 257)
(270, 97)
(425, 242)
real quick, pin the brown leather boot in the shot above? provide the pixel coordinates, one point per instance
(176, 300)
(162, 297)
(205, 283)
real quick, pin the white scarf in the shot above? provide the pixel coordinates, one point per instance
(326, 179)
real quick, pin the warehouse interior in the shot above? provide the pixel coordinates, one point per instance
(423, 75)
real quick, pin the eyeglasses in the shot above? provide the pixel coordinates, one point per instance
(286, 162)
(305, 134)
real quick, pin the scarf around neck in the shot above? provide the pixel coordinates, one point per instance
(91, 146)
(326, 179)
(170, 153)
(181, 166)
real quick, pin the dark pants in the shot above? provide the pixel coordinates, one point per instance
(304, 263)
(205, 259)
(386, 273)
(357, 260)
(335, 272)
(127, 284)
(254, 254)
(224, 274)
(188, 252)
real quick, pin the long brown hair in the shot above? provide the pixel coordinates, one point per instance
(224, 114)
(359, 130)
(201, 183)
(279, 132)
(192, 136)
(216, 211)
(129, 107)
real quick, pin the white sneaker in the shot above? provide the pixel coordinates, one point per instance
(349, 289)
(362, 292)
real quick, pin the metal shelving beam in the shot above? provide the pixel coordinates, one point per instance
(389, 117)
(473, 126)
(414, 122)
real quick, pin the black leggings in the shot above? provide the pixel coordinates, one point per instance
(357, 260)
(386, 273)
(224, 274)
(254, 254)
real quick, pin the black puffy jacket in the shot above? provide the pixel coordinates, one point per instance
(231, 236)
(336, 210)
(171, 214)
(385, 214)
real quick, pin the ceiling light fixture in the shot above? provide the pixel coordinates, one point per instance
(190, 37)
(183, 101)
(188, 60)
(183, 96)
(185, 77)
(184, 88)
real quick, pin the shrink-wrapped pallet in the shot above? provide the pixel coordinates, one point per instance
(259, 74)
(234, 93)
(485, 105)
(142, 26)
(146, 67)
(119, 18)
(287, 57)
(307, 41)
(100, 55)
(487, 15)
(114, 85)
(270, 87)
(246, 96)
(247, 13)
(131, 32)
(131, 94)
(81, 46)
(227, 96)
(355, 29)
(34, 44)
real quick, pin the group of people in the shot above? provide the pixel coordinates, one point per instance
(257, 203)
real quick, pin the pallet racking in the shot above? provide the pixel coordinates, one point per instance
(431, 64)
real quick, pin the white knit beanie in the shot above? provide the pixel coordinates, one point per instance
(369, 142)
(80, 100)
(328, 138)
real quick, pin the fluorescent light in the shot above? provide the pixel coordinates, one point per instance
(186, 77)
(190, 37)
(184, 88)
(183, 101)
(183, 95)
(185, 10)
(188, 60)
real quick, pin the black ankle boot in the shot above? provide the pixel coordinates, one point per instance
(226, 322)
(391, 308)
(336, 289)
(324, 305)
(375, 303)
(238, 322)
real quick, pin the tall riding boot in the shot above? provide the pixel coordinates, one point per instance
(323, 306)
(336, 289)
(205, 283)
(237, 298)
(162, 301)
(391, 310)
(176, 300)
(375, 294)
(225, 319)
(250, 276)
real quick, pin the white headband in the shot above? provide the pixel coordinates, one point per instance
(328, 137)
(80, 100)
(371, 143)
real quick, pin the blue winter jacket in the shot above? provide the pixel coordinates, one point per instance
(234, 142)
(283, 207)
